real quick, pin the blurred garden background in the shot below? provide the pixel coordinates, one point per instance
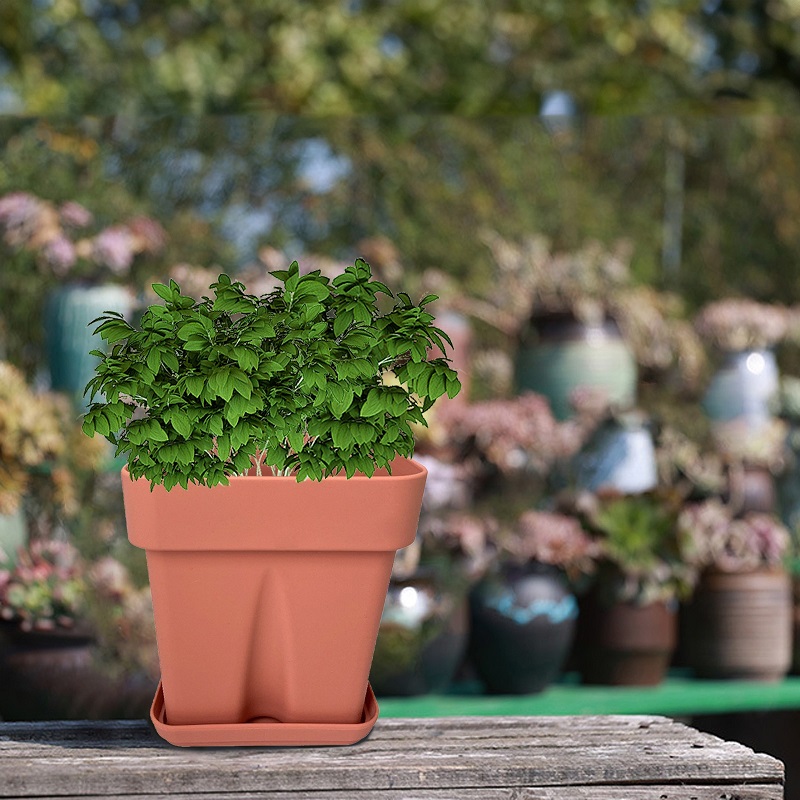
(607, 204)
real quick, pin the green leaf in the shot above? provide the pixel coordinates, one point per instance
(154, 360)
(155, 431)
(164, 292)
(375, 404)
(195, 385)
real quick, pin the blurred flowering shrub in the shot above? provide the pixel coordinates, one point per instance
(46, 589)
(41, 446)
(57, 236)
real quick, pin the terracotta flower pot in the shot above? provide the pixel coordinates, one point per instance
(267, 596)
(626, 644)
(739, 625)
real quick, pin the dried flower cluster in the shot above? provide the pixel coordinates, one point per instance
(557, 539)
(38, 429)
(458, 539)
(712, 539)
(517, 434)
(742, 324)
(763, 445)
(681, 460)
(38, 226)
(46, 589)
(652, 323)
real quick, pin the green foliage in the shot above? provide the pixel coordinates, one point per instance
(641, 560)
(292, 379)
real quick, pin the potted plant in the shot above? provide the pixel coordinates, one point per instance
(269, 479)
(743, 332)
(523, 612)
(93, 267)
(628, 623)
(739, 623)
(424, 626)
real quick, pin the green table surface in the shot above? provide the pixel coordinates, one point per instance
(677, 696)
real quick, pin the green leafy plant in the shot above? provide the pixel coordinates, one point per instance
(640, 556)
(292, 380)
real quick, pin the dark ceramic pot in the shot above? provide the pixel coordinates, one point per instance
(44, 673)
(558, 353)
(626, 644)
(522, 626)
(422, 637)
(739, 625)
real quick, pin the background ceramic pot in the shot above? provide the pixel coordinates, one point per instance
(626, 644)
(44, 673)
(743, 387)
(739, 625)
(558, 353)
(522, 626)
(13, 534)
(753, 489)
(621, 456)
(422, 637)
(69, 338)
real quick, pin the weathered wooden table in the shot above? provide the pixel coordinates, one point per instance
(519, 758)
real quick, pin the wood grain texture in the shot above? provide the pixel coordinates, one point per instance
(508, 758)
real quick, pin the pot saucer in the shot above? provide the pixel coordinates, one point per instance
(260, 734)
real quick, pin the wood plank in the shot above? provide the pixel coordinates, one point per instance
(664, 792)
(406, 758)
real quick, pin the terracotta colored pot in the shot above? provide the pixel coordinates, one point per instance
(739, 625)
(626, 644)
(267, 593)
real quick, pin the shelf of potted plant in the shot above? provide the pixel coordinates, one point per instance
(739, 622)
(269, 479)
(744, 333)
(523, 612)
(628, 622)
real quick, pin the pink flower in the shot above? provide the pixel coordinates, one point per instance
(19, 209)
(59, 253)
(115, 247)
(148, 235)
(75, 215)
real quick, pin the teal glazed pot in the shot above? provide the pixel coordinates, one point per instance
(13, 534)
(743, 387)
(69, 338)
(522, 627)
(558, 353)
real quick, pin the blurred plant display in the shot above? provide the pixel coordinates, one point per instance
(712, 538)
(556, 539)
(742, 324)
(46, 589)
(42, 449)
(640, 554)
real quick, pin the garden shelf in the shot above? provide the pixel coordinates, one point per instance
(678, 696)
